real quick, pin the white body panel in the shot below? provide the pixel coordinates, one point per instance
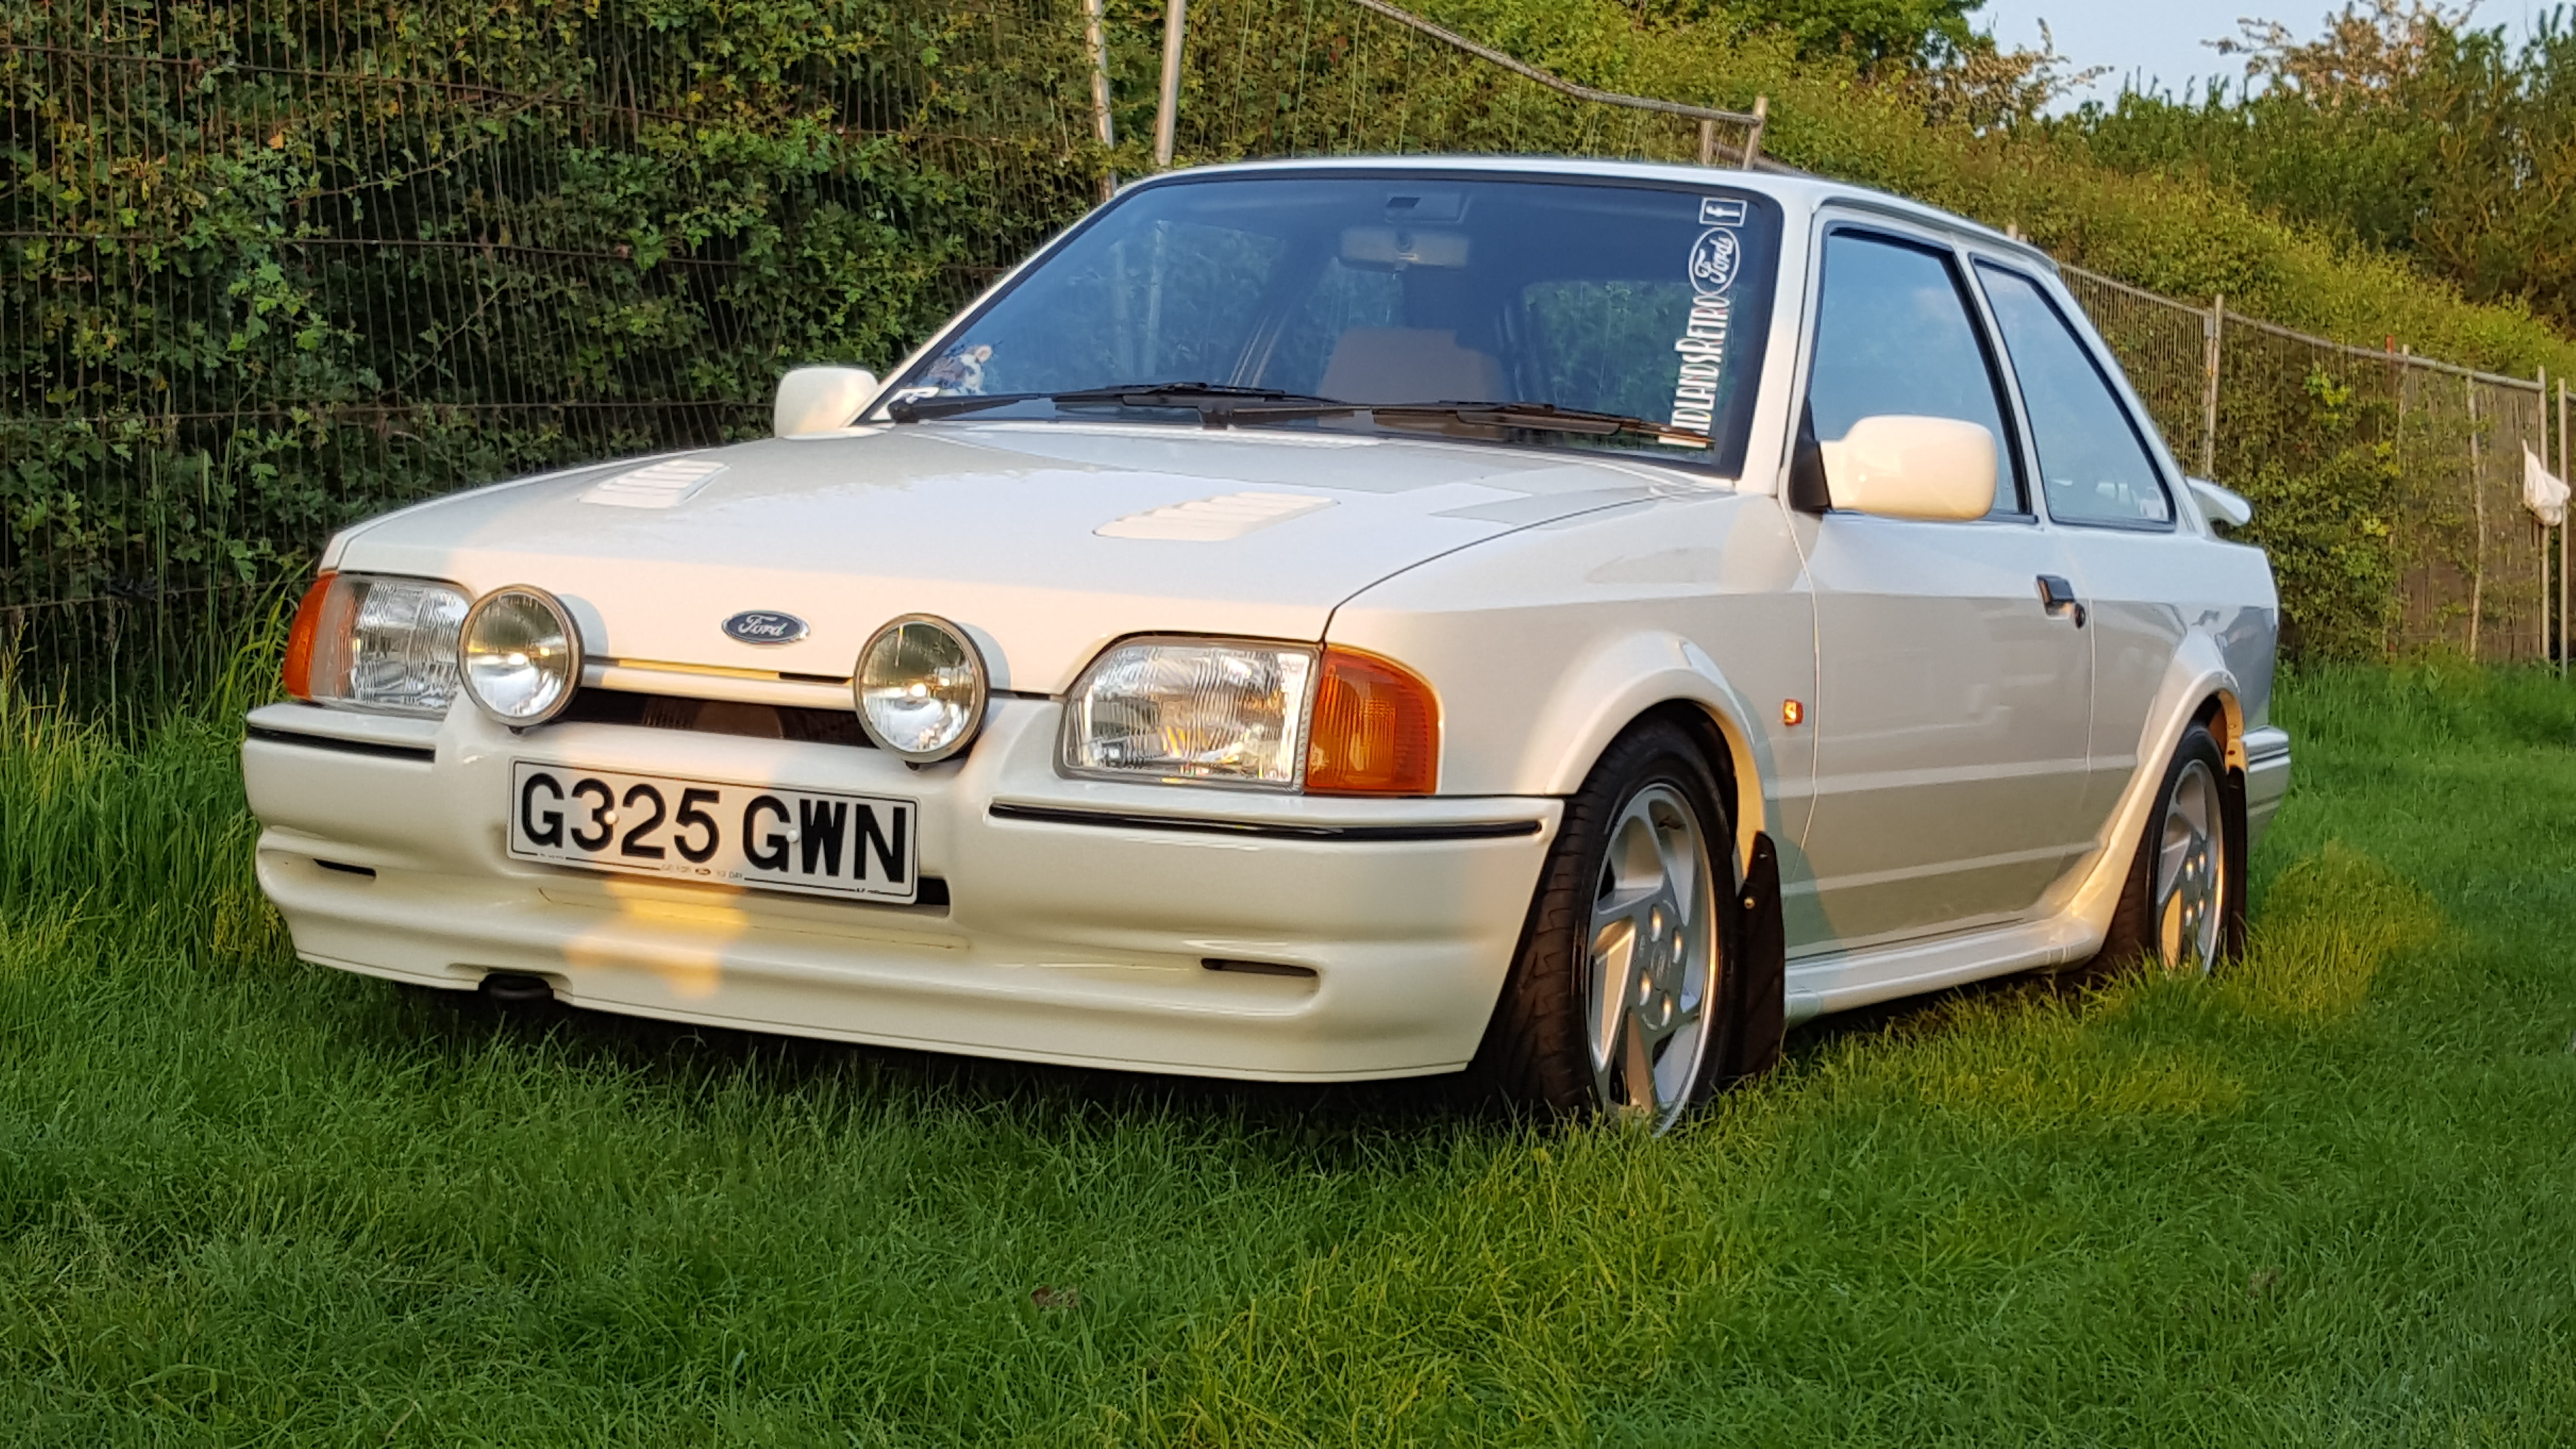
(1960, 798)
(1951, 724)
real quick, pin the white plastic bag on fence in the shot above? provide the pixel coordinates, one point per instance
(2543, 492)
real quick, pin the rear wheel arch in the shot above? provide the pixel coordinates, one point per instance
(2223, 715)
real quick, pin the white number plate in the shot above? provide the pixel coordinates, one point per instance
(813, 841)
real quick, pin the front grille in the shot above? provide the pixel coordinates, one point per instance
(718, 717)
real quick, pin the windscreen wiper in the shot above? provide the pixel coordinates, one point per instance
(1218, 403)
(1215, 402)
(949, 405)
(1541, 417)
(1222, 404)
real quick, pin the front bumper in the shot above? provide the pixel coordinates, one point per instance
(1080, 922)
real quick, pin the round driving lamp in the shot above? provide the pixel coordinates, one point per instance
(520, 655)
(920, 688)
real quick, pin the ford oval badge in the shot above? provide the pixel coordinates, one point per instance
(764, 626)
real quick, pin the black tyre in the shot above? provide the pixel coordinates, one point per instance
(1614, 1000)
(2183, 906)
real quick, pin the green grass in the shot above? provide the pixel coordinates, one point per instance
(2330, 1199)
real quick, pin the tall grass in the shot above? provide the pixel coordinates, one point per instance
(2323, 1200)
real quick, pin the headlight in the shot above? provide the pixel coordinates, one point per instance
(375, 642)
(1226, 712)
(522, 655)
(920, 688)
(1240, 712)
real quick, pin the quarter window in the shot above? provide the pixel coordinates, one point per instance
(1895, 334)
(2094, 467)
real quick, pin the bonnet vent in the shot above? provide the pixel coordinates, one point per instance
(655, 485)
(1214, 520)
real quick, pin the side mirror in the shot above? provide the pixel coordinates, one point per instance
(1900, 466)
(2221, 505)
(822, 399)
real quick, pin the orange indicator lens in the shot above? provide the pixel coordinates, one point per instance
(1376, 730)
(299, 639)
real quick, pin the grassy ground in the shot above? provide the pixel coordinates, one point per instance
(2330, 1199)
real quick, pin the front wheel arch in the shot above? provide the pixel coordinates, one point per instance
(1623, 681)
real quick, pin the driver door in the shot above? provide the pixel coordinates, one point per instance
(1953, 703)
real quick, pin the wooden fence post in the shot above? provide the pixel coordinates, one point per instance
(2212, 328)
(1095, 33)
(2478, 503)
(1167, 115)
(2563, 622)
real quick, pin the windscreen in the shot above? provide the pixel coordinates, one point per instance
(1638, 301)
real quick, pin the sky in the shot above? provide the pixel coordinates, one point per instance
(2161, 40)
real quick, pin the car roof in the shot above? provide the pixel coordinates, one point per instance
(1800, 191)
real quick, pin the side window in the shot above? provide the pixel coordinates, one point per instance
(2093, 465)
(1895, 334)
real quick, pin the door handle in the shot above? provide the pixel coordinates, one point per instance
(2056, 594)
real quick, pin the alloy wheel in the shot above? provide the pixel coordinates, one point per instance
(1653, 961)
(2191, 875)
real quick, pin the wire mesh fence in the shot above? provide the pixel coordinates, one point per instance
(274, 265)
(2391, 484)
(1352, 77)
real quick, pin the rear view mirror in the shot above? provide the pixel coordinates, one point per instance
(822, 399)
(1392, 249)
(1900, 466)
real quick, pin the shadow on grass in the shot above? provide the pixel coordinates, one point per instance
(2331, 920)
(679, 1053)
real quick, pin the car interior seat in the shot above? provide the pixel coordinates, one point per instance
(1410, 364)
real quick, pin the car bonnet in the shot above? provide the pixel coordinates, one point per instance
(1046, 539)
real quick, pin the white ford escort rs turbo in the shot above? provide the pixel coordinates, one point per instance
(1317, 620)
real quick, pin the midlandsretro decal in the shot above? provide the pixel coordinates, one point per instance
(1714, 259)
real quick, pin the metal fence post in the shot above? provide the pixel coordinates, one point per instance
(1167, 115)
(2212, 327)
(1095, 34)
(1753, 133)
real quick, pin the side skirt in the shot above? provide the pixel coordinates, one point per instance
(1843, 980)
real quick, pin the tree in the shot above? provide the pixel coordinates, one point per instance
(2400, 127)
(1874, 33)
